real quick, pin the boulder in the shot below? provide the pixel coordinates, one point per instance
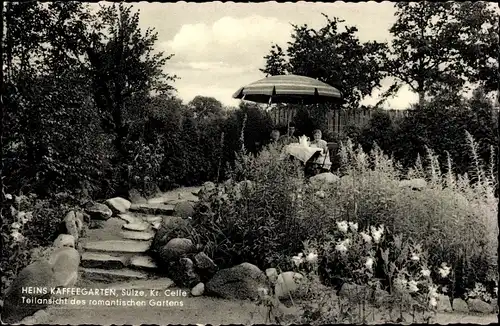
(36, 276)
(65, 240)
(65, 262)
(184, 209)
(289, 285)
(118, 205)
(183, 273)
(205, 266)
(81, 220)
(444, 303)
(73, 225)
(198, 290)
(175, 249)
(272, 275)
(99, 211)
(477, 305)
(135, 197)
(323, 179)
(239, 282)
(460, 305)
(170, 228)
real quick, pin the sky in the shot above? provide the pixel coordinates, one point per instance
(219, 47)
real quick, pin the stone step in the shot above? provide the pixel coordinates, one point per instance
(112, 275)
(99, 260)
(152, 209)
(135, 235)
(152, 218)
(118, 246)
(142, 262)
(139, 227)
(161, 283)
(130, 218)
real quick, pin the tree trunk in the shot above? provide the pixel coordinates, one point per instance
(1, 100)
(421, 98)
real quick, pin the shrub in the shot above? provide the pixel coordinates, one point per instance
(29, 223)
(260, 225)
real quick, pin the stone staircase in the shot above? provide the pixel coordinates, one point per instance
(117, 251)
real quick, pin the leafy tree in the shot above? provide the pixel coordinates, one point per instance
(441, 45)
(333, 56)
(124, 65)
(205, 107)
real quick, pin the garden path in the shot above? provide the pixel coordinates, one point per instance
(111, 260)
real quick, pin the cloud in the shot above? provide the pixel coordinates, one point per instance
(400, 101)
(233, 41)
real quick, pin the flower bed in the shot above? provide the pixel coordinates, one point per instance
(433, 233)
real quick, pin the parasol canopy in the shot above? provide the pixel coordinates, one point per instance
(293, 89)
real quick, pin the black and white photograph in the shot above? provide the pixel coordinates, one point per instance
(271, 163)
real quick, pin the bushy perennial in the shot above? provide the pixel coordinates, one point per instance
(21, 219)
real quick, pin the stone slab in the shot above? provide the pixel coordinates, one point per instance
(152, 209)
(142, 262)
(134, 235)
(118, 246)
(139, 227)
(100, 260)
(129, 218)
(97, 274)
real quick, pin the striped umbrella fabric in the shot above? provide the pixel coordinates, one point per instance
(291, 89)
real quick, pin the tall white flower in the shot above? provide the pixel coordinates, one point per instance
(425, 272)
(412, 286)
(342, 226)
(366, 237)
(17, 236)
(377, 233)
(312, 258)
(353, 226)
(15, 226)
(8, 196)
(342, 246)
(433, 302)
(297, 260)
(433, 291)
(369, 263)
(445, 270)
(414, 257)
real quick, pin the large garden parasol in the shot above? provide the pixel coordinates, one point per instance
(292, 89)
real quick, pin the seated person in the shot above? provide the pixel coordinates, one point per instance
(275, 136)
(320, 143)
(289, 138)
(323, 161)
